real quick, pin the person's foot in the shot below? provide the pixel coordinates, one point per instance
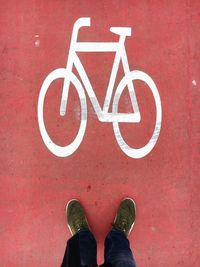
(125, 217)
(76, 218)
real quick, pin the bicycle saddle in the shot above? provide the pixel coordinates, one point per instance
(126, 31)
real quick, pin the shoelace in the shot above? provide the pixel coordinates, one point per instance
(79, 223)
(123, 221)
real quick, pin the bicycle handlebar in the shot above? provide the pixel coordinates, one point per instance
(81, 22)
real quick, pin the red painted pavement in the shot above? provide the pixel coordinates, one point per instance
(35, 184)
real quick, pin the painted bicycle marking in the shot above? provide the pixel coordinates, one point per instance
(102, 113)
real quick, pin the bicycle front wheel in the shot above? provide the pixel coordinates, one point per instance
(62, 151)
(128, 150)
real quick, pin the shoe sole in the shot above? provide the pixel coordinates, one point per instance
(67, 218)
(135, 213)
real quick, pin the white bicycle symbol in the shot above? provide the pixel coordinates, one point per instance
(102, 113)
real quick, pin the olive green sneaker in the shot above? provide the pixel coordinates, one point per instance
(76, 218)
(125, 217)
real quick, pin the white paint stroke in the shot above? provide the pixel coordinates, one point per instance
(194, 82)
(37, 43)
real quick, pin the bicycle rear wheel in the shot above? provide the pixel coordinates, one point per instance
(62, 151)
(128, 150)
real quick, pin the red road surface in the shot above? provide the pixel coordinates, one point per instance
(35, 184)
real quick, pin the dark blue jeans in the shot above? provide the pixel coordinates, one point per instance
(82, 250)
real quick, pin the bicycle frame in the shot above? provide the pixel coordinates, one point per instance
(120, 55)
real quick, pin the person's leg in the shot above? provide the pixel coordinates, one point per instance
(117, 248)
(81, 249)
